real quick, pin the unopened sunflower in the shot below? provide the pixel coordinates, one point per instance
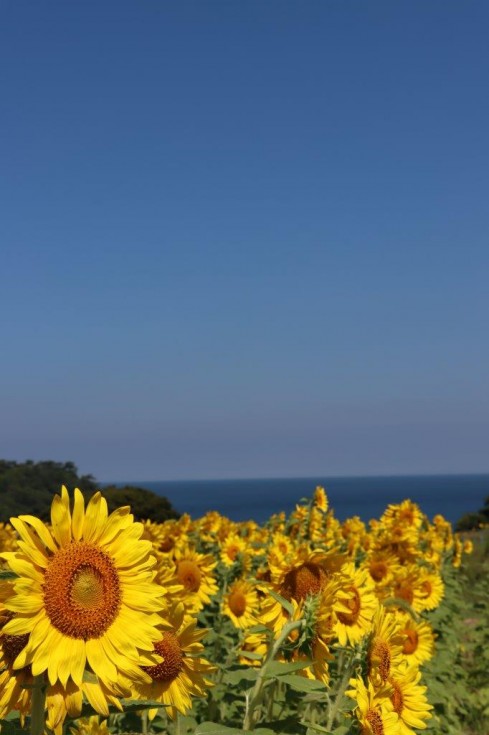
(81, 586)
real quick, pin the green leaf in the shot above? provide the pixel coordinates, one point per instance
(278, 668)
(213, 728)
(259, 629)
(6, 574)
(285, 603)
(234, 676)
(251, 655)
(301, 683)
(313, 728)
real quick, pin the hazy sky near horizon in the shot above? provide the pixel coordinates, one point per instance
(243, 239)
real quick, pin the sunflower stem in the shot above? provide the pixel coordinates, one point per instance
(38, 705)
(335, 701)
(254, 698)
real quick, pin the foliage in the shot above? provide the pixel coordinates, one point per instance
(473, 521)
(145, 504)
(28, 487)
(458, 678)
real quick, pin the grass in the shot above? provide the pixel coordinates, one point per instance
(458, 676)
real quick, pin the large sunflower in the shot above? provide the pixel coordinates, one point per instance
(81, 586)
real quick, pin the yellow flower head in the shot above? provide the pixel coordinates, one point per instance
(81, 586)
(408, 698)
(359, 603)
(374, 711)
(241, 604)
(182, 672)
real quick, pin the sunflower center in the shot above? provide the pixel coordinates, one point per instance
(232, 552)
(167, 544)
(380, 658)
(354, 603)
(426, 588)
(308, 579)
(87, 589)
(237, 603)
(396, 697)
(189, 575)
(411, 642)
(378, 570)
(405, 592)
(374, 719)
(81, 591)
(172, 664)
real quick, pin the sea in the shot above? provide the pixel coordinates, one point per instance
(366, 497)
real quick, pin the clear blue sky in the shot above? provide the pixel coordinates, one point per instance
(245, 239)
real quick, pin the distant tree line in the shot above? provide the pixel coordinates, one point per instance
(472, 521)
(28, 488)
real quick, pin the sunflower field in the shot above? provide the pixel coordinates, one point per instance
(302, 625)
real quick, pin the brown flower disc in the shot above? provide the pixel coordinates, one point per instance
(354, 603)
(237, 603)
(81, 591)
(189, 575)
(308, 579)
(169, 649)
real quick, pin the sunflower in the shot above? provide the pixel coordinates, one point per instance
(358, 596)
(382, 566)
(232, 548)
(81, 586)
(419, 641)
(194, 572)
(182, 673)
(429, 590)
(384, 653)
(374, 711)
(409, 700)
(320, 499)
(303, 574)
(90, 726)
(241, 604)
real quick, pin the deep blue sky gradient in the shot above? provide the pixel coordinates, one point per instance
(245, 239)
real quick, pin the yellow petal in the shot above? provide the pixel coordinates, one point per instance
(95, 517)
(78, 515)
(100, 663)
(96, 698)
(41, 531)
(60, 521)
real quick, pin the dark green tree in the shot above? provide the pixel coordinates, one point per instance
(472, 521)
(28, 488)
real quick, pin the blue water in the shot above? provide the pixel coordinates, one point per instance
(367, 497)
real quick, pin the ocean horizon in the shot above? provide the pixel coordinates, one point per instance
(365, 496)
